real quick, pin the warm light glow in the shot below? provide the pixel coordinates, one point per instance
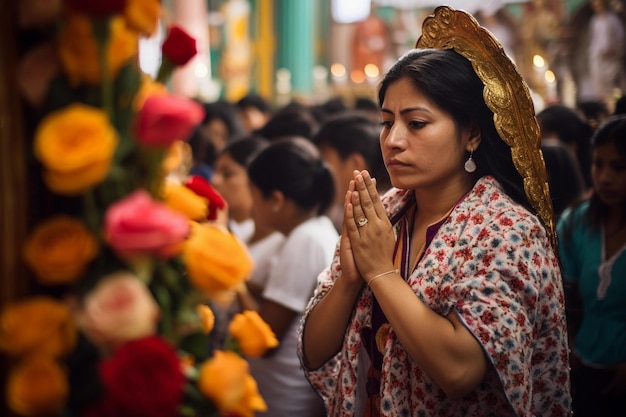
(200, 70)
(538, 61)
(357, 76)
(549, 76)
(338, 70)
(371, 71)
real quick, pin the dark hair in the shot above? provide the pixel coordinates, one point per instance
(565, 178)
(570, 128)
(291, 120)
(226, 112)
(255, 101)
(611, 131)
(294, 167)
(450, 81)
(244, 150)
(620, 106)
(353, 132)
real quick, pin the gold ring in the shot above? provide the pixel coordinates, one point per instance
(361, 222)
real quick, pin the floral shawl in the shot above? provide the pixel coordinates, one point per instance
(492, 262)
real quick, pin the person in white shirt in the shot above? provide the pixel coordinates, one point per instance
(292, 188)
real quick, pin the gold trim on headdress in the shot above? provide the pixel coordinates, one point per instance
(505, 93)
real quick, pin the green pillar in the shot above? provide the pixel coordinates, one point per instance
(296, 42)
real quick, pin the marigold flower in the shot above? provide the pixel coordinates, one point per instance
(143, 15)
(216, 260)
(183, 200)
(37, 386)
(225, 379)
(207, 318)
(179, 47)
(252, 333)
(37, 325)
(76, 146)
(59, 250)
(120, 308)
(78, 49)
(138, 225)
(164, 119)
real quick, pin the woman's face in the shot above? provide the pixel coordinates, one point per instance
(608, 171)
(421, 145)
(231, 180)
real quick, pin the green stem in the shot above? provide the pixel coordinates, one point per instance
(91, 212)
(101, 29)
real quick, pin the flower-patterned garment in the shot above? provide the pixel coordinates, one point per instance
(492, 263)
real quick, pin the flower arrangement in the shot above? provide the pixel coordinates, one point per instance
(126, 259)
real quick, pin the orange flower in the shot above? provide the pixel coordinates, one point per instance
(76, 146)
(59, 250)
(216, 260)
(143, 15)
(37, 386)
(78, 49)
(182, 200)
(207, 318)
(37, 324)
(226, 380)
(253, 335)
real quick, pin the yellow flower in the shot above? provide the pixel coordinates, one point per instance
(37, 325)
(76, 145)
(143, 15)
(216, 260)
(78, 49)
(253, 335)
(59, 250)
(207, 318)
(181, 199)
(226, 380)
(37, 386)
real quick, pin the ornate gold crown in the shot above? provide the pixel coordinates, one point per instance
(505, 93)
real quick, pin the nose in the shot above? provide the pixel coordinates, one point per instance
(395, 137)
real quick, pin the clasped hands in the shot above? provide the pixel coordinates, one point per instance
(367, 238)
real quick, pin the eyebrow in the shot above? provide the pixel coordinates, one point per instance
(407, 110)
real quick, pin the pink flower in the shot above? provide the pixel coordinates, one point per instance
(179, 47)
(143, 378)
(139, 225)
(120, 308)
(164, 119)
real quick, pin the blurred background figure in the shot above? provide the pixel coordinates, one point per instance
(291, 188)
(592, 246)
(606, 51)
(563, 124)
(349, 142)
(222, 123)
(294, 119)
(254, 111)
(565, 178)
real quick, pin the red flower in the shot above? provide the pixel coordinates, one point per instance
(164, 119)
(179, 47)
(143, 378)
(203, 188)
(97, 7)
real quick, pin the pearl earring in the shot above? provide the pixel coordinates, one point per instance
(470, 165)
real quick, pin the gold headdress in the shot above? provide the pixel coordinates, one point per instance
(505, 93)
